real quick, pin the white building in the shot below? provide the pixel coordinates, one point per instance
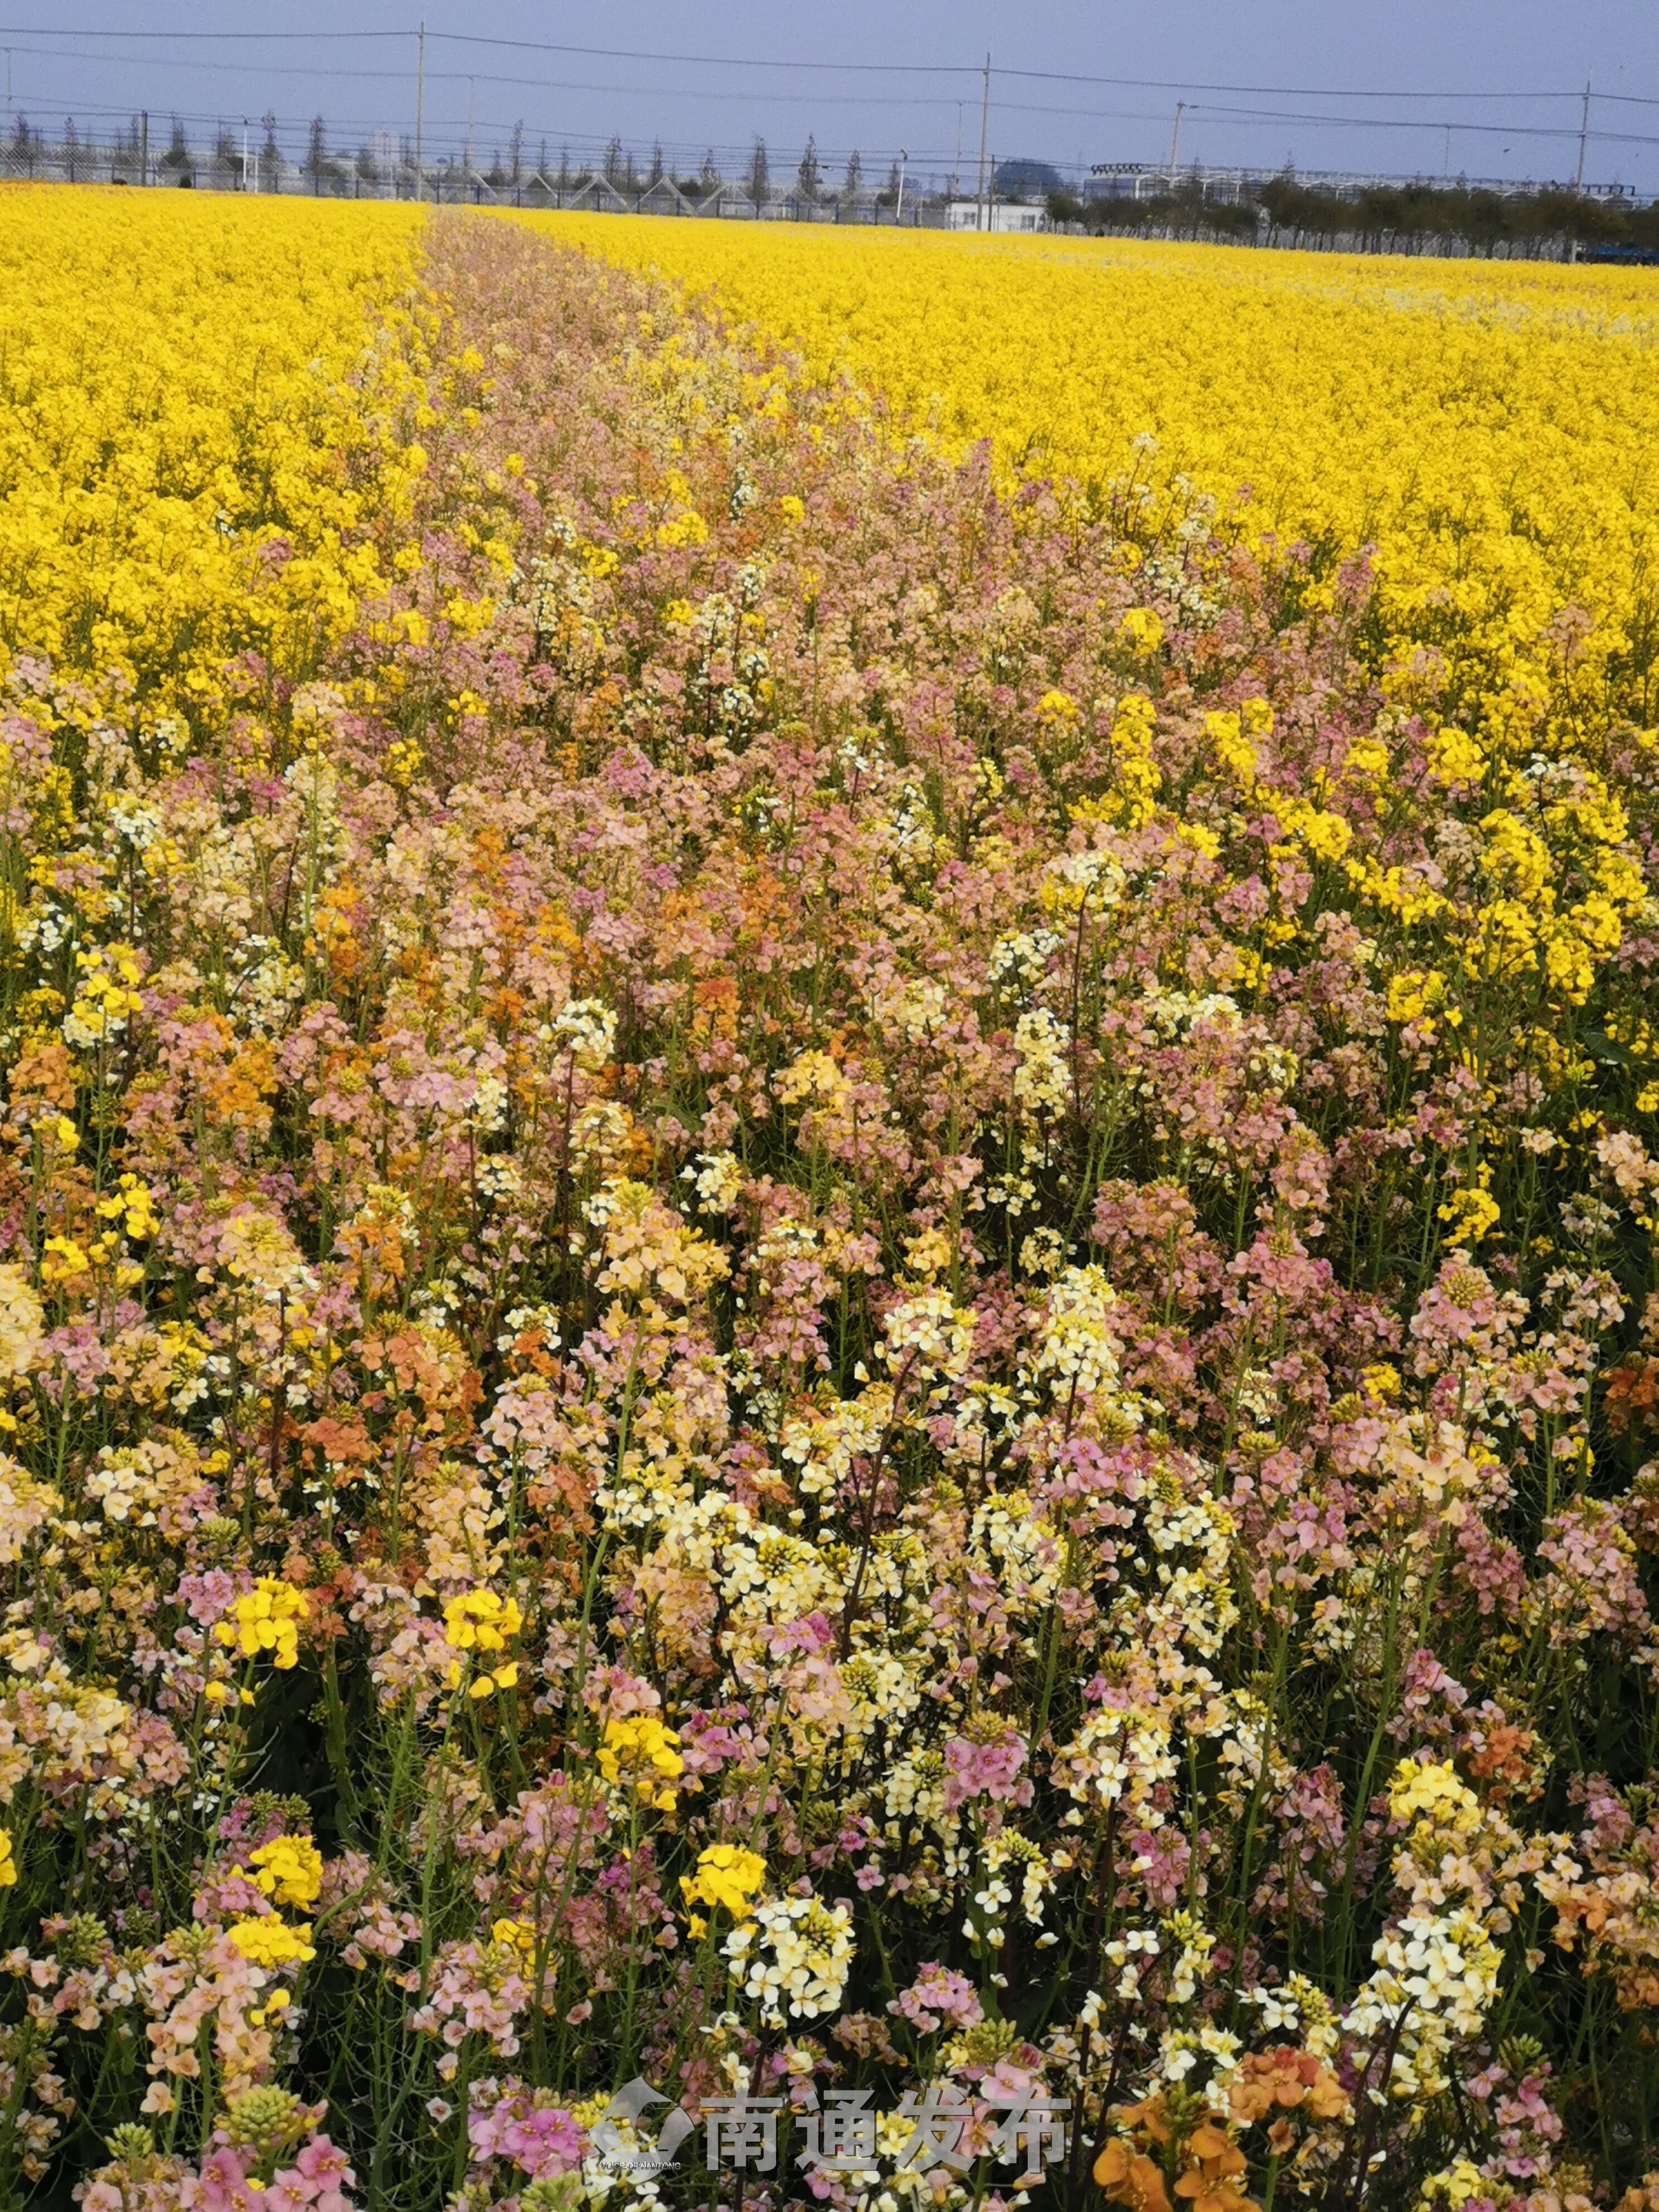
(996, 215)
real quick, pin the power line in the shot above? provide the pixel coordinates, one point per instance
(870, 99)
(875, 68)
(1400, 123)
(819, 101)
(237, 69)
(522, 83)
(295, 38)
(711, 61)
(1272, 91)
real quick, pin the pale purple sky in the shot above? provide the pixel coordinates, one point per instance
(1281, 72)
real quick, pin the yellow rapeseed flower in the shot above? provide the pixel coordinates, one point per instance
(728, 1876)
(479, 1621)
(290, 1870)
(264, 1620)
(639, 1750)
(271, 1942)
(189, 378)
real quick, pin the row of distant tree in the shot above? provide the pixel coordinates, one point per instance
(503, 167)
(125, 143)
(1378, 213)
(810, 180)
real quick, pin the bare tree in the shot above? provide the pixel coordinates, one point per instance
(759, 177)
(809, 175)
(854, 173)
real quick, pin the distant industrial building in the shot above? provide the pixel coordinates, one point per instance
(1141, 181)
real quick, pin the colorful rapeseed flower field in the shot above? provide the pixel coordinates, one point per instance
(829, 1257)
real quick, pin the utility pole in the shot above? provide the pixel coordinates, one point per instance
(244, 153)
(420, 107)
(1446, 170)
(1175, 142)
(143, 147)
(1583, 133)
(898, 212)
(984, 133)
(469, 127)
(956, 174)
